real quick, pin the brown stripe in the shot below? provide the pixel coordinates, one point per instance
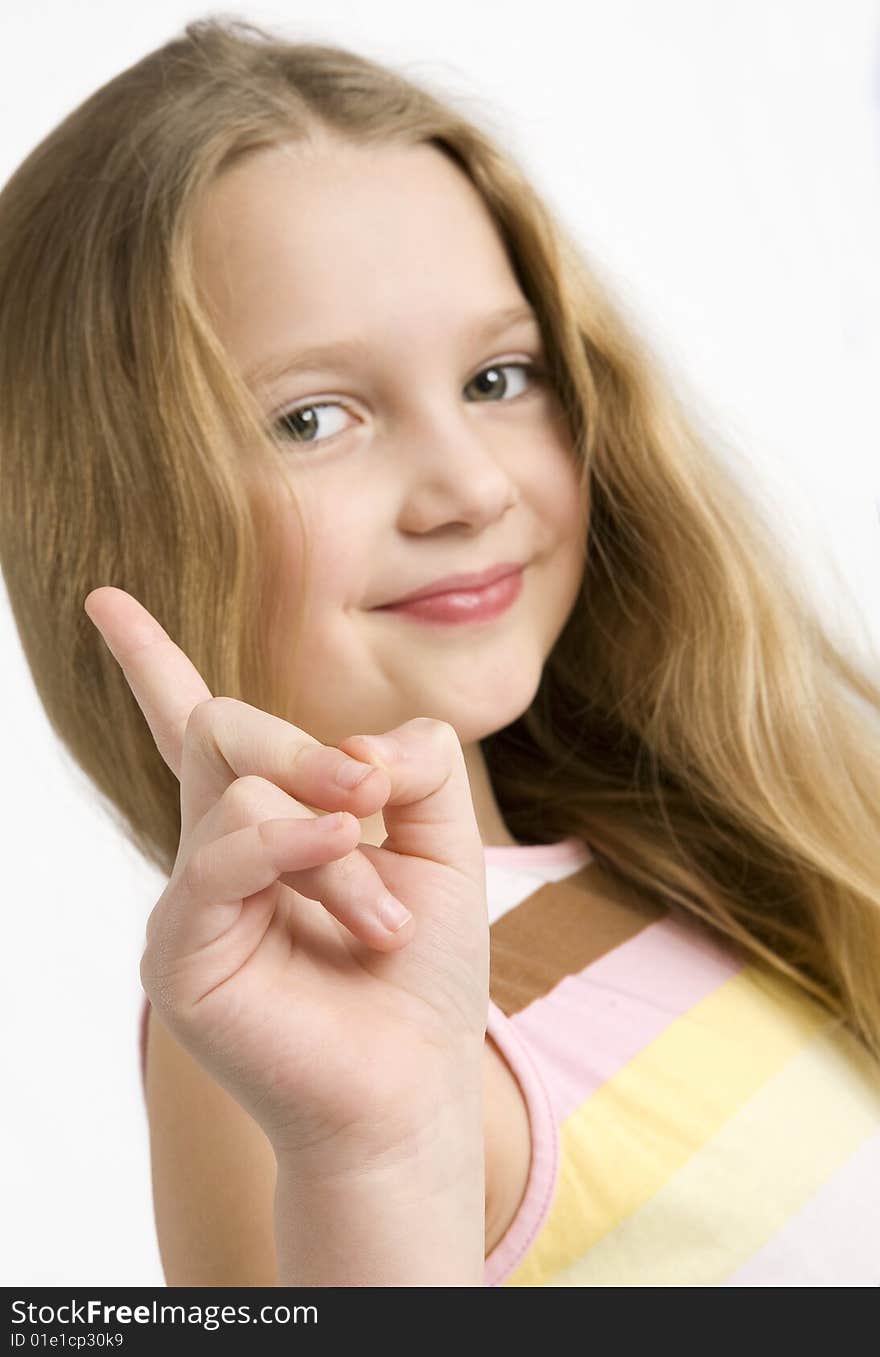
(559, 929)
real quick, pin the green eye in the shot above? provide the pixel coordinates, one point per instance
(298, 424)
(496, 368)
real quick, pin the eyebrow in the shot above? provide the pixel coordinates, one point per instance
(346, 351)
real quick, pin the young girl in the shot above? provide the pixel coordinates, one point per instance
(580, 985)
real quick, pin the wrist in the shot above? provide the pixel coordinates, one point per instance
(413, 1215)
(416, 1126)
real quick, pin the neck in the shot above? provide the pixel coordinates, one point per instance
(493, 830)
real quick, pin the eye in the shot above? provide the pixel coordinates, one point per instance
(490, 375)
(298, 425)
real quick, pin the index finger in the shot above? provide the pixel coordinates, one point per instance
(165, 682)
(238, 741)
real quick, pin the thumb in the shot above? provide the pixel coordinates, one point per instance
(430, 811)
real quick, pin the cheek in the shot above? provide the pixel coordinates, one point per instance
(332, 567)
(557, 494)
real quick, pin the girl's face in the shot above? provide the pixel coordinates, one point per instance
(410, 460)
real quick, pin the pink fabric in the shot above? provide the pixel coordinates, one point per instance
(568, 850)
(625, 1000)
(541, 1182)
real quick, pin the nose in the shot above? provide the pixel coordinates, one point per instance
(453, 470)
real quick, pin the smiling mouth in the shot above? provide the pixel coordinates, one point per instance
(455, 606)
(468, 582)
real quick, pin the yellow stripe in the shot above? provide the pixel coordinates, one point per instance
(622, 1147)
(736, 1192)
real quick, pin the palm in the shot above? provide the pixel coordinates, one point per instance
(321, 1020)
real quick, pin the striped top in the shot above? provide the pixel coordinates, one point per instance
(696, 1119)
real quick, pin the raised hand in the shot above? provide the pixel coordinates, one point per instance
(267, 956)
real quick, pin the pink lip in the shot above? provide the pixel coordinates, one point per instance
(463, 605)
(456, 583)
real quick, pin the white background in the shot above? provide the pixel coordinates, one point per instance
(722, 163)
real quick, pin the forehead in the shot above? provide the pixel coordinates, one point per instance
(330, 235)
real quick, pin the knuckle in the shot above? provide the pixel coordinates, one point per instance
(443, 733)
(248, 801)
(222, 704)
(431, 727)
(206, 716)
(195, 873)
(245, 795)
(200, 720)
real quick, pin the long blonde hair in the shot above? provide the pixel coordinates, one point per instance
(695, 723)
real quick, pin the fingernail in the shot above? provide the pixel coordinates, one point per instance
(352, 774)
(393, 914)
